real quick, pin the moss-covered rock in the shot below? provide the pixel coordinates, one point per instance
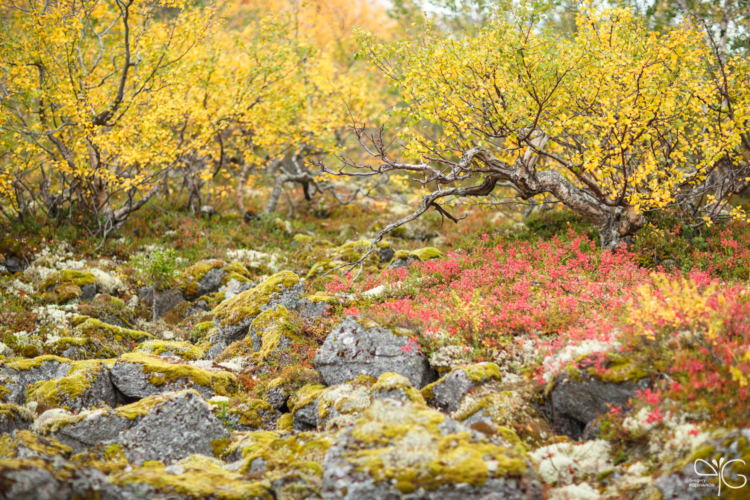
(394, 386)
(291, 463)
(17, 375)
(492, 406)
(192, 478)
(140, 375)
(66, 292)
(25, 444)
(14, 418)
(87, 385)
(234, 316)
(208, 276)
(399, 448)
(447, 392)
(78, 278)
(304, 407)
(245, 414)
(183, 350)
(81, 348)
(53, 479)
(115, 338)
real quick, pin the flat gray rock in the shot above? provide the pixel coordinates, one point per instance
(16, 377)
(181, 426)
(14, 418)
(351, 350)
(53, 479)
(575, 403)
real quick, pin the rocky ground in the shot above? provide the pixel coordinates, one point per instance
(253, 384)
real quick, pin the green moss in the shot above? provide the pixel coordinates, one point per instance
(182, 350)
(302, 239)
(573, 373)
(66, 292)
(202, 330)
(482, 372)
(248, 303)
(301, 452)
(114, 452)
(444, 458)
(190, 277)
(383, 244)
(78, 319)
(78, 278)
(153, 464)
(11, 412)
(95, 328)
(426, 253)
(222, 383)
(200, 482)
(353, 251)
(304, 396)
(218, 446)
(38, 445)
(28, 364)
(394, 381)
(619, 369)
(401, 255)
(87, 348)
(321, 267)
(62, 392)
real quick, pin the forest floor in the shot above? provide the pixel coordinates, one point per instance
(512, 359)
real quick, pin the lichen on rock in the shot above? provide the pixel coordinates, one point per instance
(87, 384)
(400, 448)
(139, 375)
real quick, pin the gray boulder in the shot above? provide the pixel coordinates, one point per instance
(181, 425)
(88, 429)
(448, 392)
(211, 281)
(14, 418)
(165, 301)
(86, 385)
(234, 316)
(15, 377)
(53, 479)
(353, 349)
(412, 464)
(88, 292)
(139, 375)
(577, 400)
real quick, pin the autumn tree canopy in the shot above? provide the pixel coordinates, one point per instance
(613, 120)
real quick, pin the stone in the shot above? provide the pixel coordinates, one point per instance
(353, 349)
(246, 415)
(577, 399)
(14, 418)
(211, 281)
(13, 264)
(88, 292)
(88, 429)
(87, 384)
(447, 392)
(16, 376)
(233, 317)
(53, 479)
(405, 450)
(139, 375)
(181, 425)
(165, 301)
